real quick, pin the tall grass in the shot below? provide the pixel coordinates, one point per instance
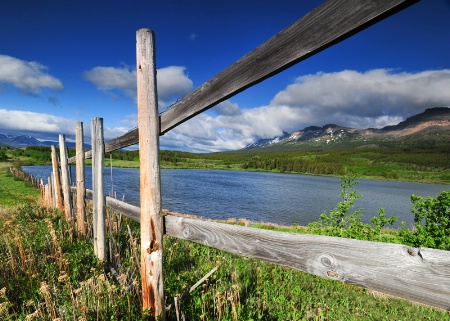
(48, 272)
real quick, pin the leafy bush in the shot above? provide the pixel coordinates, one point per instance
(432, 222)
(340, 223)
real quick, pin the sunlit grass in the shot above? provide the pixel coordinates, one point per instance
(14, 191)
(48, 272)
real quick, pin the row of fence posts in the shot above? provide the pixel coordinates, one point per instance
(57, 193)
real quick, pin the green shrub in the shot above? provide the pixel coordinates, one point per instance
(432, 222)
(339, 222)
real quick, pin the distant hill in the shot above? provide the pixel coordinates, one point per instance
(27, 140)
(430, 127)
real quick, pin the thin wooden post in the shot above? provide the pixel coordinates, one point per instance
(50, 192)
(81, 188)
(150, 181)
(56, 180)
(65, 178)
(98, 189)
(53, 198)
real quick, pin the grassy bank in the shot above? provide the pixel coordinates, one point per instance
(50, 273)
(14, 191)
(429, 164)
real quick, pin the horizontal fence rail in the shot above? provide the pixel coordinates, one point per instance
(416, 274)
(323, 27)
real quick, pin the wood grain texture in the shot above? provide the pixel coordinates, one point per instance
(328, 24)
(128, 210)
(80, 178)
(394, 269)
(98, 188)
(58, 197)
(131, 211)
(65, 178)
(150, 178)
(417, 275)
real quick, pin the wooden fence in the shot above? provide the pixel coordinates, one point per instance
(421, 275)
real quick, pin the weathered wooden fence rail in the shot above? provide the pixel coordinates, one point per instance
(417, 274)
(421, 275)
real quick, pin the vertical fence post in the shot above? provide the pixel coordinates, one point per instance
(98, 155)
(56, 180)
(150, 181)
(50, 202)
(81, 188)
(65, 177)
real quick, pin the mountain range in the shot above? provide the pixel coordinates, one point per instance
(18, 141)
(428, 128)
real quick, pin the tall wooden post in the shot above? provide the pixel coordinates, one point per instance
(98, 155)
(81, 188)
(65, 177)
(56, 180)
(150, 181)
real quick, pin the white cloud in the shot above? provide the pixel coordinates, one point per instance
(172, 82)
(28, 76)
(203, 134)
(349, 95)
(227, 108)
(28, 121)
(109, 78)
(47, 127)
(376, 98)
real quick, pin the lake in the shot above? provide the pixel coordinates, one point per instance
(258, 196)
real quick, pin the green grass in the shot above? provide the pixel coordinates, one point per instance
(14, 191)
(246, 289)
(427, 164)
(49, 272)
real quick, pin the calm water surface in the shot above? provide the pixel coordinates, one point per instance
(260, 197)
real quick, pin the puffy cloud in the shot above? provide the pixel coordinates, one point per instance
(227, 108)
(173, 84)
(27, 121)
(109, 78)
(203, 134)
(376, 98)
(172, 81)
(29, 76)
(358, 99)
(47, 127)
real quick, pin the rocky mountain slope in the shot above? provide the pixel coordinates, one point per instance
(430, 127)
(19, 141)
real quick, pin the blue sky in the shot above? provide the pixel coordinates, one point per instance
(68, 61)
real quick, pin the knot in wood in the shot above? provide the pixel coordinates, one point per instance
(327, 261)
(186, 232)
